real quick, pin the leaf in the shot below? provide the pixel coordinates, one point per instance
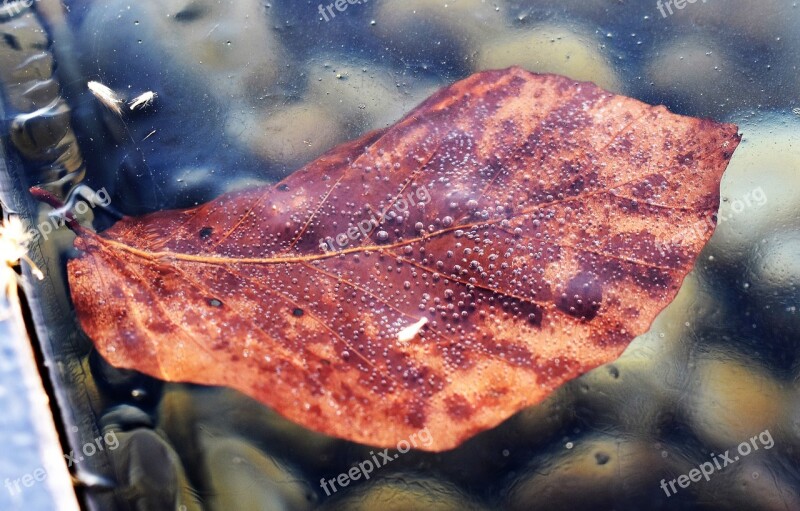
(534, 225)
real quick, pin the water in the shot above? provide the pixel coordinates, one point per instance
(248, 91)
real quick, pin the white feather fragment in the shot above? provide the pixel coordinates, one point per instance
(143, 100)
(106, 96)
(411, 331)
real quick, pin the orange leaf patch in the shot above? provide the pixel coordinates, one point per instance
(511, 233)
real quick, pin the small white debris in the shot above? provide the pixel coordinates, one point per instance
(143, 100)
(411, 331)
(106, 96)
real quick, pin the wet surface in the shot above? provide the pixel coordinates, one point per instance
(249, 92)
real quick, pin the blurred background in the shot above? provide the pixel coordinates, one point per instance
(247, 91)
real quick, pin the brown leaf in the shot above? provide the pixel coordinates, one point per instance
(548, 228)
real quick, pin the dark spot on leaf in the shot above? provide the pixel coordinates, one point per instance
(458, 407)
(416, 416)
(297, 312)
(214, 302)
(220, 345)
(283, 187)
(205, 232)
(582, 297)
(602, 458)
(685, 158)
